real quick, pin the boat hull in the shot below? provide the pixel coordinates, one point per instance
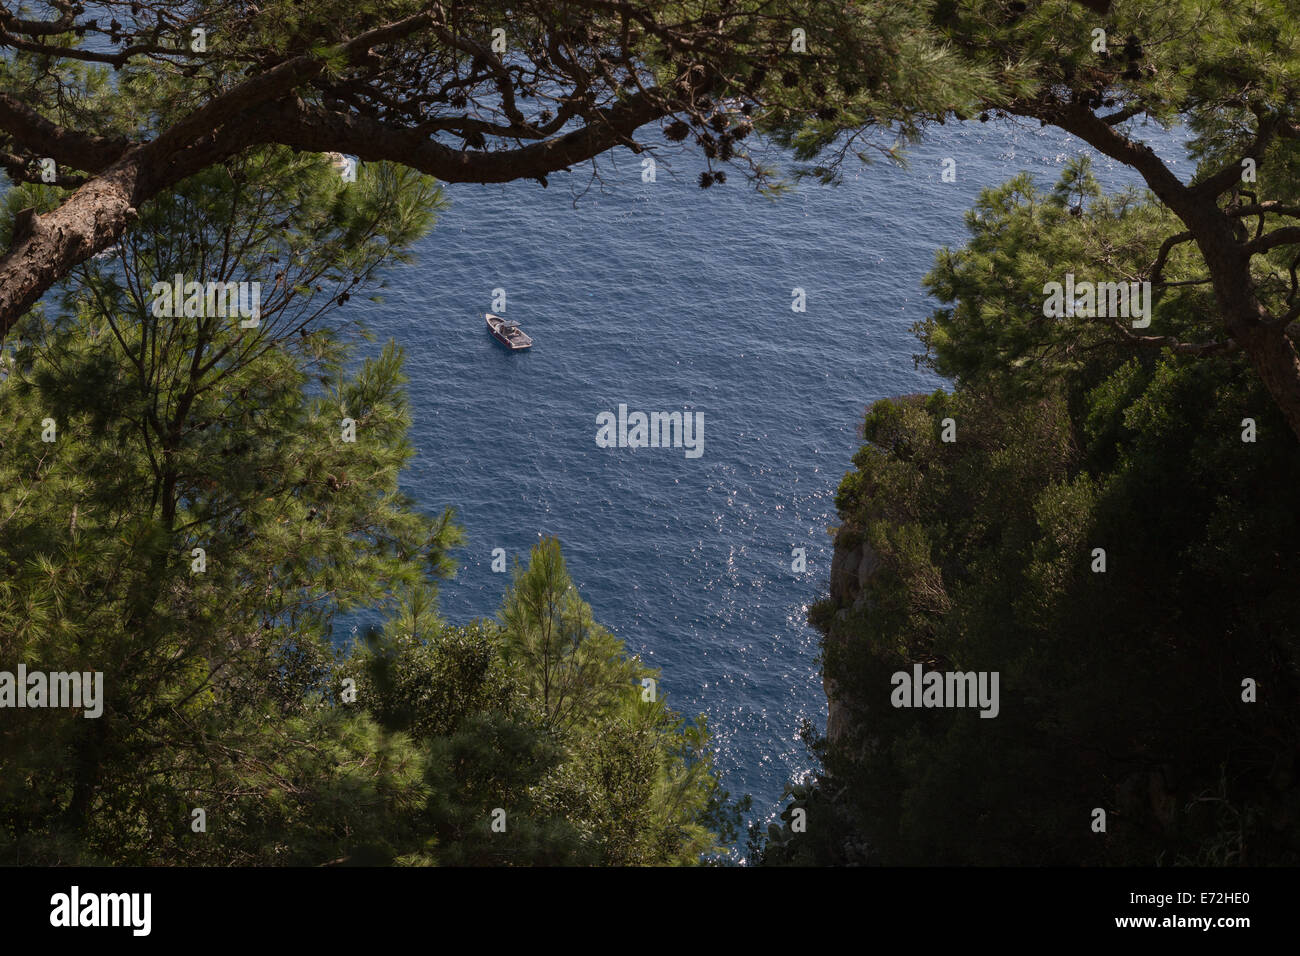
(496, 328)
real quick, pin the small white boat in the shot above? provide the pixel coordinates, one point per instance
(507, 333)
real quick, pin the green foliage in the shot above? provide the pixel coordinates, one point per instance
(223, 688)
(637, 776)
(1119, 690)
(574, 666)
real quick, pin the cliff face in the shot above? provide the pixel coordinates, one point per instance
(1146, 798)
(853, 562)
(1143, 797)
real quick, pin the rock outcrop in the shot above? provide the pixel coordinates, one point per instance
(851, 568)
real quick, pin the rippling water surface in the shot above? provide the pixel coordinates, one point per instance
(666, 297)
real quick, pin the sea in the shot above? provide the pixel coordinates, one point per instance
(665, 297)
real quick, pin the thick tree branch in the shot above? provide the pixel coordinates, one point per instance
(98, 213)
(306, 127)
(1284, 236)
(281, 104)
(67, 147)
(1166, 247)
(1230, 175)
(1199, 349)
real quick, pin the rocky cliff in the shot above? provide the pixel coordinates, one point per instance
(852, 565)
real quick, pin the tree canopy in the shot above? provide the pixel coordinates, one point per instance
(115, 105)
(1106, 534)
(191, 504)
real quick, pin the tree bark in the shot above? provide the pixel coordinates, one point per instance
(90, 220)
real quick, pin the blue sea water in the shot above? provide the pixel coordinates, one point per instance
(667, 297)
